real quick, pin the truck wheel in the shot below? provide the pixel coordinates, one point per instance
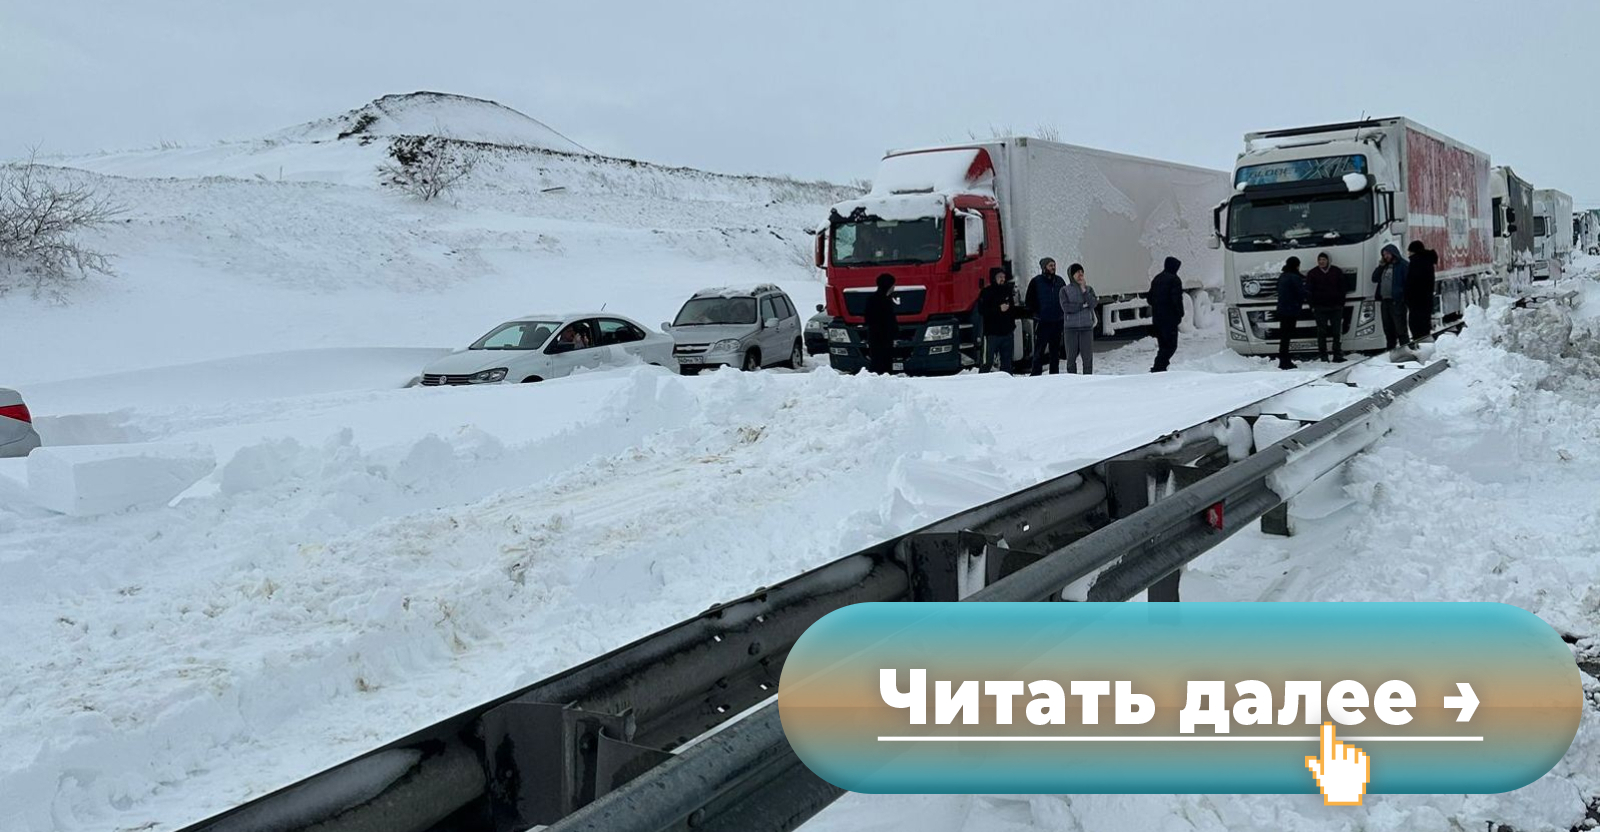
(752, 361)
(797, 356)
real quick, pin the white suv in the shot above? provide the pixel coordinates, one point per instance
(744, 328)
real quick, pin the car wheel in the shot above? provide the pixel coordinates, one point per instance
(752, 361)
(531, 379)
(797, 356)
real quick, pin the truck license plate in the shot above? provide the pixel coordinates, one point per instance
(899, 367)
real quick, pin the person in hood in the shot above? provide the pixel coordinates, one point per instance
(997, 303)
(1044, 303)
(882, 326)
(1419, 289)
(1325, 287)
(1077, 305)
(1166, 312)
(1389, 286)
(1291, 300)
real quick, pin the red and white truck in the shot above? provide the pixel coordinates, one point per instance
(1350, 190)
(939, 219)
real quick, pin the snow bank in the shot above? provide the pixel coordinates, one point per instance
(83, 480)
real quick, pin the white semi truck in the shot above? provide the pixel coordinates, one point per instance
(1512, 200)
(1552, 233)
(1349, 190)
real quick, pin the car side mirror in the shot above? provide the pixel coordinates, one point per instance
(561, 346)
(821, 308)
(1214, 242)
(770, 323)
(665, 326)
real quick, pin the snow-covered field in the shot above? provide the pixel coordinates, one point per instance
(364, 559)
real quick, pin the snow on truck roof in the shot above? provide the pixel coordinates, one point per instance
(916, 184)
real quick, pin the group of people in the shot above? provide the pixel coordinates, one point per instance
(1403, 289)
(1064, 312)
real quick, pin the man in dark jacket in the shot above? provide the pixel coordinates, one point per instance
(1325, 286)
(1166, 312)
(1389, 286)
(1419, 288)
(1291, 297)
(882, 326)
(997, 303)
(1044, 302)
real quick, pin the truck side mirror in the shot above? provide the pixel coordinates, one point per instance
(975, 238)
(820, 248)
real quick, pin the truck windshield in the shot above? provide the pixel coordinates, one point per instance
(1299, 223)
(886, 242)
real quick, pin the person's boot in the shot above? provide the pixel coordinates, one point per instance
(1338, 358)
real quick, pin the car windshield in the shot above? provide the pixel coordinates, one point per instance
(1300, 222)
(710, 311)
(887, 242)
(517, 335)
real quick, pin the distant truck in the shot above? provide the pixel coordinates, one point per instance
(1349, 190)
(1552, 233)
(939, 219)
(1512, 200)
(1586, 231)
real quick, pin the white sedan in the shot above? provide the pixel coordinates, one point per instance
(539, 347)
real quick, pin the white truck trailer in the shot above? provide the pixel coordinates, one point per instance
(1349, 190)
(1552, 233)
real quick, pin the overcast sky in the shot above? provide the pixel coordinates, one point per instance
(820, 89)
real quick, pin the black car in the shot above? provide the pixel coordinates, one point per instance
(817, 331)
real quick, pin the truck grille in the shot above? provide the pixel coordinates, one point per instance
(436, 380)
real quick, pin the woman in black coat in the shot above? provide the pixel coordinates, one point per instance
(1419, 289)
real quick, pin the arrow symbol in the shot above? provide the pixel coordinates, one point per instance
(1467, 702)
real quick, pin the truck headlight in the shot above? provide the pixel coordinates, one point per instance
(496, 375)
(838, 335)
(1235, 320)
(942, 332)
(1367, 312)
(725, 345)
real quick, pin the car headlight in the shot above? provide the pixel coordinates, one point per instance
(813, 324)
(488, 376)
(726, 345)
(942, 332)
(839, 335)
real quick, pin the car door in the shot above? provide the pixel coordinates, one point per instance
(773, 347)
(589, 354)
(790, 327)
(625, 340)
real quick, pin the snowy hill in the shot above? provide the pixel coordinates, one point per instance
(267, 245)
(436, 114)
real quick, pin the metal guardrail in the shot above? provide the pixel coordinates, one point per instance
(621, 741)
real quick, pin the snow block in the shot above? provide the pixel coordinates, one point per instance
(83, 480)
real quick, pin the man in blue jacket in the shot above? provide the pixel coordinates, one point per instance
(1389, 289)
(1044, 301)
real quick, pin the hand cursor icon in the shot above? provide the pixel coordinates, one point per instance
(1342, 771)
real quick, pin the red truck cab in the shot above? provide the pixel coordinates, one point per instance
(939, 238)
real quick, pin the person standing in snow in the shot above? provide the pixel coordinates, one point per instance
(1389, 292)
(1291, 297)
(1325, 286)
(1419, 289)
(998, 305)
(1044, 302)
(1077, 306)
(1166, 312)
(882, 326)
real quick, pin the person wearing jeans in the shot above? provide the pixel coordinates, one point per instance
(1044, 302)
(1077, 307)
